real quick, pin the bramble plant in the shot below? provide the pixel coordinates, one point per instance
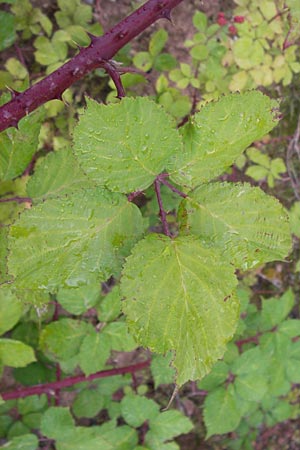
(88, 270)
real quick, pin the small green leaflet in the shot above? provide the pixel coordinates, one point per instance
(219, 133)
(124, 146)
(74, 240)
(180, 296)
(246, 225)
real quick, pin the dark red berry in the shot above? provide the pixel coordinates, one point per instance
(221, 21)
(232, 30)
(239, 19)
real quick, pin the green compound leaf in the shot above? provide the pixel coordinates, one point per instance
(15, 353)
(248, 226)
(121, 146)
(221, 411)
(73, 241)
(17, 147)
(57, 174)
(176, 302)
(219, 133)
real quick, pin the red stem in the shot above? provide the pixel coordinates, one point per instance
(162, 212)
(254, 339)
(16, 199)
(173, 188)
(49, 388)
(101, 50)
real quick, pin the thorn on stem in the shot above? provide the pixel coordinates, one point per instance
(166, 14)
(14, 93)
(92, 37)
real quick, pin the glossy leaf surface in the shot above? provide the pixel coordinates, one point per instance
(248, 226)
(121, 146)
(219, 133)
(74, 240)
(175, 301)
